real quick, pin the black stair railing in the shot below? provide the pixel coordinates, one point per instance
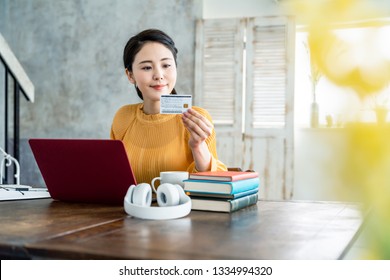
(12, 90)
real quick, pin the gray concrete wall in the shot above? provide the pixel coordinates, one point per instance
(72, 51)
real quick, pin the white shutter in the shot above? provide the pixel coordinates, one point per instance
(269, 109)
(267, 60)
(266, 45)
(269, 77)
(218, 81)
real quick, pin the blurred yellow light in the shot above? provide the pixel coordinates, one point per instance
(360, 61)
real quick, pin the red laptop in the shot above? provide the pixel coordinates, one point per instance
(83, 170)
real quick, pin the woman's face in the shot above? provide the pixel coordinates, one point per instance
(154, 71)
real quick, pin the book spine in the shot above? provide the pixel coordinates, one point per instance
(245, 193)
(246, 176)
(244, 185)
(242, 202)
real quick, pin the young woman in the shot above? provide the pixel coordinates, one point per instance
(157, 142)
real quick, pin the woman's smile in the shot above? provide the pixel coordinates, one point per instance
(159, 87)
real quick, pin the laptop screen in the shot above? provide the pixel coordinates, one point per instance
(84, 170)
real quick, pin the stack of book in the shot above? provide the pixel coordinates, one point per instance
(222, 191)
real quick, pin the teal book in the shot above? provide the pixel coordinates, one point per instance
(223, 205)
(220, 187)
(196, 194)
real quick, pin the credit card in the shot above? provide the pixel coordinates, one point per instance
(175, 104)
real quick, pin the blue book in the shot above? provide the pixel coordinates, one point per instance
(219, 187)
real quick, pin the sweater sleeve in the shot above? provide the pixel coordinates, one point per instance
(121, 122)
(211, 141)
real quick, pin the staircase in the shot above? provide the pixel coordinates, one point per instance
(15, 81)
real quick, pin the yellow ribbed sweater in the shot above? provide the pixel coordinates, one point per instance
(159, 142)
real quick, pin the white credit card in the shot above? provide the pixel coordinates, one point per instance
(175, 104)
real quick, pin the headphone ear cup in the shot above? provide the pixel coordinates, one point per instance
(182, 194)
(142, 195)
(168, 195)
(129, 194)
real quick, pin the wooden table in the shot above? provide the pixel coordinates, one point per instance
(47, 229)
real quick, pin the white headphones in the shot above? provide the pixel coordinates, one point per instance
(173, 202)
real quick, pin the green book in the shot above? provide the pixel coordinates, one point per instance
(223, 205)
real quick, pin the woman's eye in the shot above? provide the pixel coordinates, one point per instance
(167, 65)
(146, 68)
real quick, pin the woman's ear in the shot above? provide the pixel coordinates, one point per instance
(130, 76)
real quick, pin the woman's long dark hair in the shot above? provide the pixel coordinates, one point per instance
(136, 42)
